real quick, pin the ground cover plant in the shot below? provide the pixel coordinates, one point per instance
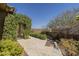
(10, 47)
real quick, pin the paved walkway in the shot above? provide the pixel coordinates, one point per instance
(36, 47)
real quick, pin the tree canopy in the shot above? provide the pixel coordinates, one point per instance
(67, 19)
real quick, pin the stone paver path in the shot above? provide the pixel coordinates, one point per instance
(36, 47)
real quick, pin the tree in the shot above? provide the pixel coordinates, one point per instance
(66, 19)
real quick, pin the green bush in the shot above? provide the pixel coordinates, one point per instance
(38, 35)
(26, 21)
(11, 25)
(10, 47)
(26, 32)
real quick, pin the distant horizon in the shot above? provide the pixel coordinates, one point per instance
(42, 13)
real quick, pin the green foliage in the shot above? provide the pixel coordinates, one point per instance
(26, 32)
(9, 47)
(12, 22)
(27, 22)
(10, 26)
(77, 17)
(38, 35)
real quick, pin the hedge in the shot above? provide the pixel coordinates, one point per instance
(38, 35)
(12, 22)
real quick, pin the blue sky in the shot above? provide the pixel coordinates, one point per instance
(41, 14)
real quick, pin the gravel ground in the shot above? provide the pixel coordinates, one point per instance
(36, 47)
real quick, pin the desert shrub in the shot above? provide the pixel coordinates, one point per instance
(38, 35)
(10, 47)
(70, 46)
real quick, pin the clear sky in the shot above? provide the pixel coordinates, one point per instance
(41, 14)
